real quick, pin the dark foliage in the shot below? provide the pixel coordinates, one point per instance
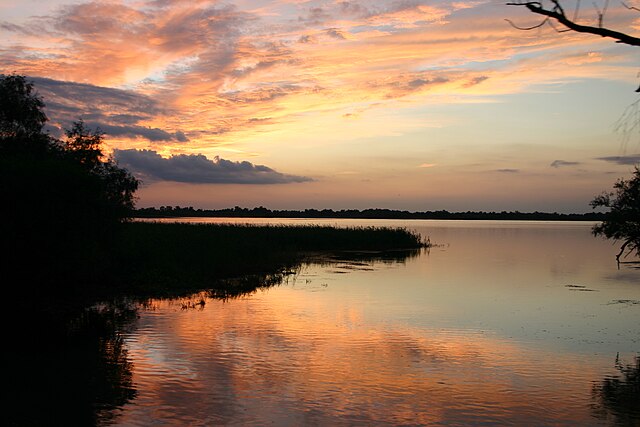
(62, 199)
(622, 222)
(83, 147)
(21, 115)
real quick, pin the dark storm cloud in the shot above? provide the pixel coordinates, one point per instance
(197, 169)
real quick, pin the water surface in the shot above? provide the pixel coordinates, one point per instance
(512, 323)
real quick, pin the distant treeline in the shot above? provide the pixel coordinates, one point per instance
(262, 212)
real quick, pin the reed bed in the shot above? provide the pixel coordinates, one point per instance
(153, 256)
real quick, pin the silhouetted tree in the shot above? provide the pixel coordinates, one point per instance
(62, 199)
(84, 146)
(21, 114)
(622, 222)
(62, 205)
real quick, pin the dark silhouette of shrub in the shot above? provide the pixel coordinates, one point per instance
(622, 222)
(62, 199)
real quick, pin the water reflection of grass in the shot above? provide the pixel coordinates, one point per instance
(230, 288)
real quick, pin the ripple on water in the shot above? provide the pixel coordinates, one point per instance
(508, 335)
(231, 361)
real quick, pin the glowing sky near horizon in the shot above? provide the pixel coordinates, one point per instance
(295, 104)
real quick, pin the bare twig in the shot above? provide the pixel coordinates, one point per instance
(606, 6)
(600, 15)
(628, 125)
(552, 25)
(624, 246)
(575, 12)
(557, 13)
(557, 6)
(630, 7)
(527, 28)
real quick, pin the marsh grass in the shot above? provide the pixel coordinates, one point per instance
(153, 257)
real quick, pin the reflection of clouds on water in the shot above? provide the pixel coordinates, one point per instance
(289, 359)
(458, 337)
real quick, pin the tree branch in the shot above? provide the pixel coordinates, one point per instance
(558, 14)
(630, 7)
(622, 248)
(552, 25)
(527, 28)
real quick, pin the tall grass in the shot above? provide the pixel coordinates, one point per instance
(163, 257)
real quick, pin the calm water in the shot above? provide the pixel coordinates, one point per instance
(517, 323)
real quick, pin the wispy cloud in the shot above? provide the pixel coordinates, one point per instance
(631, 159)
(203, 73)
(198, 169)
(561, 163)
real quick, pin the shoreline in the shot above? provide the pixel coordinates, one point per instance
(371, 214)
(237, 219)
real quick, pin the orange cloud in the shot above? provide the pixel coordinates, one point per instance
(225, 74)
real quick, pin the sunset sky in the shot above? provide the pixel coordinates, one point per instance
(294, 104)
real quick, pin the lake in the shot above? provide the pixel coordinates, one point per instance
(499, 323)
